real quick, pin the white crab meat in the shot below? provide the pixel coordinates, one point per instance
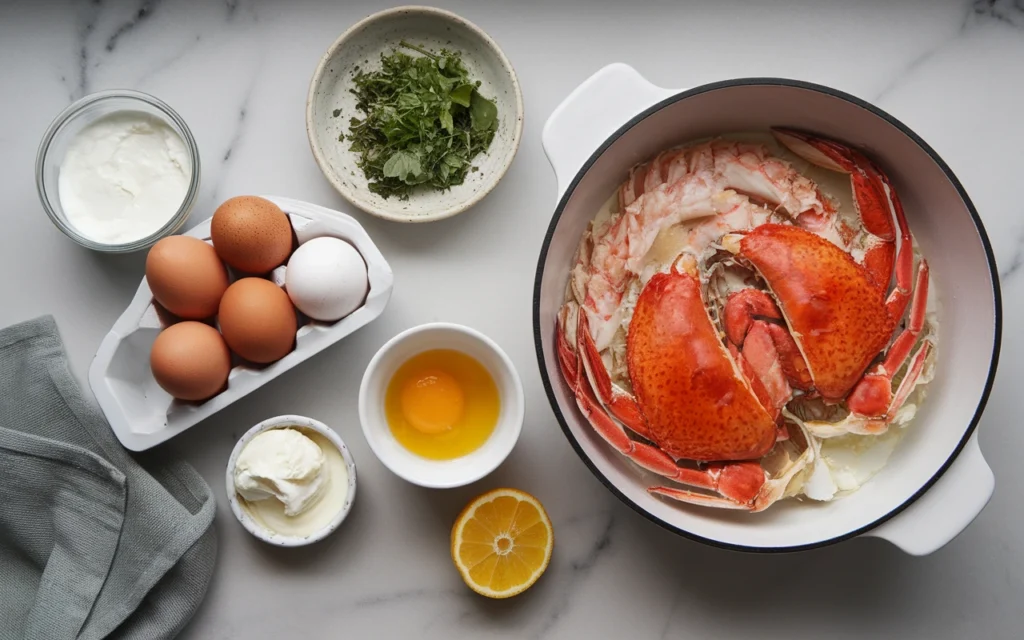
(853, 460)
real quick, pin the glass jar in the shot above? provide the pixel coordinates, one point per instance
(79, 115)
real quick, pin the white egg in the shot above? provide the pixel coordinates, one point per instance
(326, 279)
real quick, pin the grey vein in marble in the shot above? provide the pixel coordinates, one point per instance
(578, 571)
(171, 59)
(402, 596)
(671, 614)
(234, 9)
(1016, 260)
(239, 128)
(1009, 12)
(236, 136)
(86, 27)
(145, 10)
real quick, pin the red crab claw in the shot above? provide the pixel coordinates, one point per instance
(834, 311)
(751, 311)
(696, 404)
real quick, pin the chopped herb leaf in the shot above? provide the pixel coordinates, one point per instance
(483, 113)
(424, 121)
(462, 94)
(403, 165)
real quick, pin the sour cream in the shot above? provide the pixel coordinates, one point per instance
(123, 177)
(291, 481)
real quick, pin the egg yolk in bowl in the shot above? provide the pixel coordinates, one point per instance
(442, 404)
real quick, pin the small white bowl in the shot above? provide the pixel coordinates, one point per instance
(440, 474)
(258, 530)
(361, 46)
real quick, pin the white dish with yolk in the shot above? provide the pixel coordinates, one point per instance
(431, 393)
(442, 404)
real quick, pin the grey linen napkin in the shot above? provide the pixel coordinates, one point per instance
(92, 544)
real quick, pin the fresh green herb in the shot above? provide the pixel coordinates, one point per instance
(337, 112)
(425, 121)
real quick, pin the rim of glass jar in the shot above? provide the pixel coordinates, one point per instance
(173, 224)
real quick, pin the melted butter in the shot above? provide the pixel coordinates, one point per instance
(460, 419)
(669, 244)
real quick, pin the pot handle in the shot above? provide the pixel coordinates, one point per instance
(591, 113)
(946, 509)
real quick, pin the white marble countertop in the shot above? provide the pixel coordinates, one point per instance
(237, 71)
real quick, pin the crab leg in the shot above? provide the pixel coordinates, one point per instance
(648, 457)
(737, 485)
(909, 381)
(873, 426)
(565, 338)
(572, 364)
(872, 403)
(873, 396)
(898, 298)
(877, 205)
(582, 363)
(872, 202)
(574, 339)
(620, 404)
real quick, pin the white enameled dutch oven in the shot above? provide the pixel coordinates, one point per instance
(937, 481)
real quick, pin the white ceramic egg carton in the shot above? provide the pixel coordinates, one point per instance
(143, 415)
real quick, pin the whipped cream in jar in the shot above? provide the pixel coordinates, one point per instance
(290, 480)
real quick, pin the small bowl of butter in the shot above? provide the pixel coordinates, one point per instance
(118, 170)
(291, 481)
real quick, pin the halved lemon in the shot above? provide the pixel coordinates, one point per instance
(502, 542)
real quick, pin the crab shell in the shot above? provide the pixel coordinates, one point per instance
(696, 403)
(834, 311)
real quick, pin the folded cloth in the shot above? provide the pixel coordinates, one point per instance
(93, 544)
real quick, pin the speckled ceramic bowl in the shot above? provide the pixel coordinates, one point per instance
(361, 46)
(250, 523)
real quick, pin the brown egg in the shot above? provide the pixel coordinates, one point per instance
(190, 361)
(257, 320)
(251, 234)
(186, 276)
